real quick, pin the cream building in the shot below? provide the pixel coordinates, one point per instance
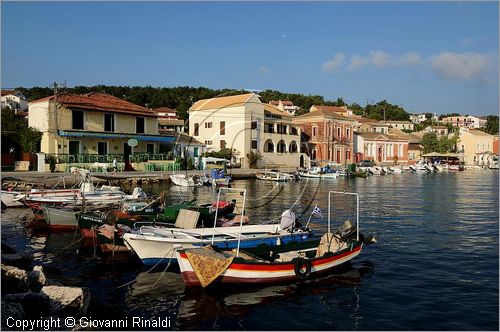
(476, 146)
(244, 124)
(94, 123)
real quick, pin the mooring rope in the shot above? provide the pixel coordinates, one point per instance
(151, 269)
(164, 270)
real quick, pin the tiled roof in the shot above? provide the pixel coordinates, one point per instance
(96, 101)
(171, 122)
(478, 132)
(164, 110)
(284, 102)
(221, 102)
(389, 137)
(8, 92)
(330, 108)
(325, 113)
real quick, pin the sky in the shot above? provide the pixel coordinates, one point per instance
(437, 57)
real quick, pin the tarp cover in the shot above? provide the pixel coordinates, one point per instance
(208, 264)
(329, 243)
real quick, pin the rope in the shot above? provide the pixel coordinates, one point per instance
(72, 243)
(151, 269)
(161, 276)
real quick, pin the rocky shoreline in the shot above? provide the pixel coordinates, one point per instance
(27, 294)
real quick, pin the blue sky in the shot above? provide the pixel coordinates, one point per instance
(438, 57)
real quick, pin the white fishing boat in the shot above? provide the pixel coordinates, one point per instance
(60, 218)
(273, 176)
(186, 180)
(375, 170)
(317, 172)
(202, 266)
(155, 244)
(8, 198)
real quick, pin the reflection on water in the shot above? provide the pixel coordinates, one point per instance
(435, 266)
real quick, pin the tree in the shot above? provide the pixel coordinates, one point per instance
(30, 139)
(430, 142)
(253, 158)
(491, 124)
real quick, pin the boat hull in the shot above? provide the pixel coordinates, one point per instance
(153, 250)
(241, 271)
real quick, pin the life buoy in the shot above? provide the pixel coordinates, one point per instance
(302, 267)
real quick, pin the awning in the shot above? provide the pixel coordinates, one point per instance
(93, 134)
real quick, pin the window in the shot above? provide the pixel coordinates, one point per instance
(269, 146)
(208, 142)
(74, 147)
(314, 131)
(223, 128)
(139, 125)
(77, 118)
(400, 152)
(109, 122)
(269, 128)
(347, 133)
(222, 144)
(254, 144)
(338, 133)
(102, 148)
(293, 147)
(208, 125)
(150, 148)
(254, 124)
(196, 129)
(195, 152)
(294, 131)
(281, 148)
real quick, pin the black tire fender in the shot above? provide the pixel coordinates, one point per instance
(299, 265)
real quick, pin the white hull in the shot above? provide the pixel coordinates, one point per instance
(273, 176)
(8, 198)
(184, 181)
(154, 244)
(319, 175)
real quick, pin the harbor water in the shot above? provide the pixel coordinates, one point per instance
(435, 266)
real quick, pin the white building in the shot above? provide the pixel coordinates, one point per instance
(401, 125)
(244, 124)
(13, 99)
(419, 118)
(468, 121)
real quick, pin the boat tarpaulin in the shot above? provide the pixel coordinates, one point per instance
(208, 264)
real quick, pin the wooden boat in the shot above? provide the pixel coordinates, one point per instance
(317, 172)
(186, 180)
(202, 266)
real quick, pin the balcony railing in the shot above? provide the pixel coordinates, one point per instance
(92, 158)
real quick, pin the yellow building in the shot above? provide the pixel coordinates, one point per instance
(476, 146)
(244, 124)
(94, 124)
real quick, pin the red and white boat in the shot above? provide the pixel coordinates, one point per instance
(202, 266)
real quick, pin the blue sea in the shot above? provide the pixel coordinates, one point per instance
(435, 266)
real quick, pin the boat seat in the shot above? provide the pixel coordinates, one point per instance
(187, 219)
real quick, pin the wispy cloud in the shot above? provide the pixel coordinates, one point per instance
(461, 66)
(379, 58)
(357, 62)
(410, 58)
(332, 65)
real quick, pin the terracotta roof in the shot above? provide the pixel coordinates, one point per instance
(477, 132)
(221, 102)
(96, 101)
(284, 102)
(164, 110)
(331, 108)
(8, 92)
(171, 122)
(325, 113)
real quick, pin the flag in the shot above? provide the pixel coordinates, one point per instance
(317, 211)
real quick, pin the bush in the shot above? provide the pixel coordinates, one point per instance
(52, 164)
(253, 158)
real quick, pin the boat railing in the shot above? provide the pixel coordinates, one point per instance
(357, 209)
(240, 191)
